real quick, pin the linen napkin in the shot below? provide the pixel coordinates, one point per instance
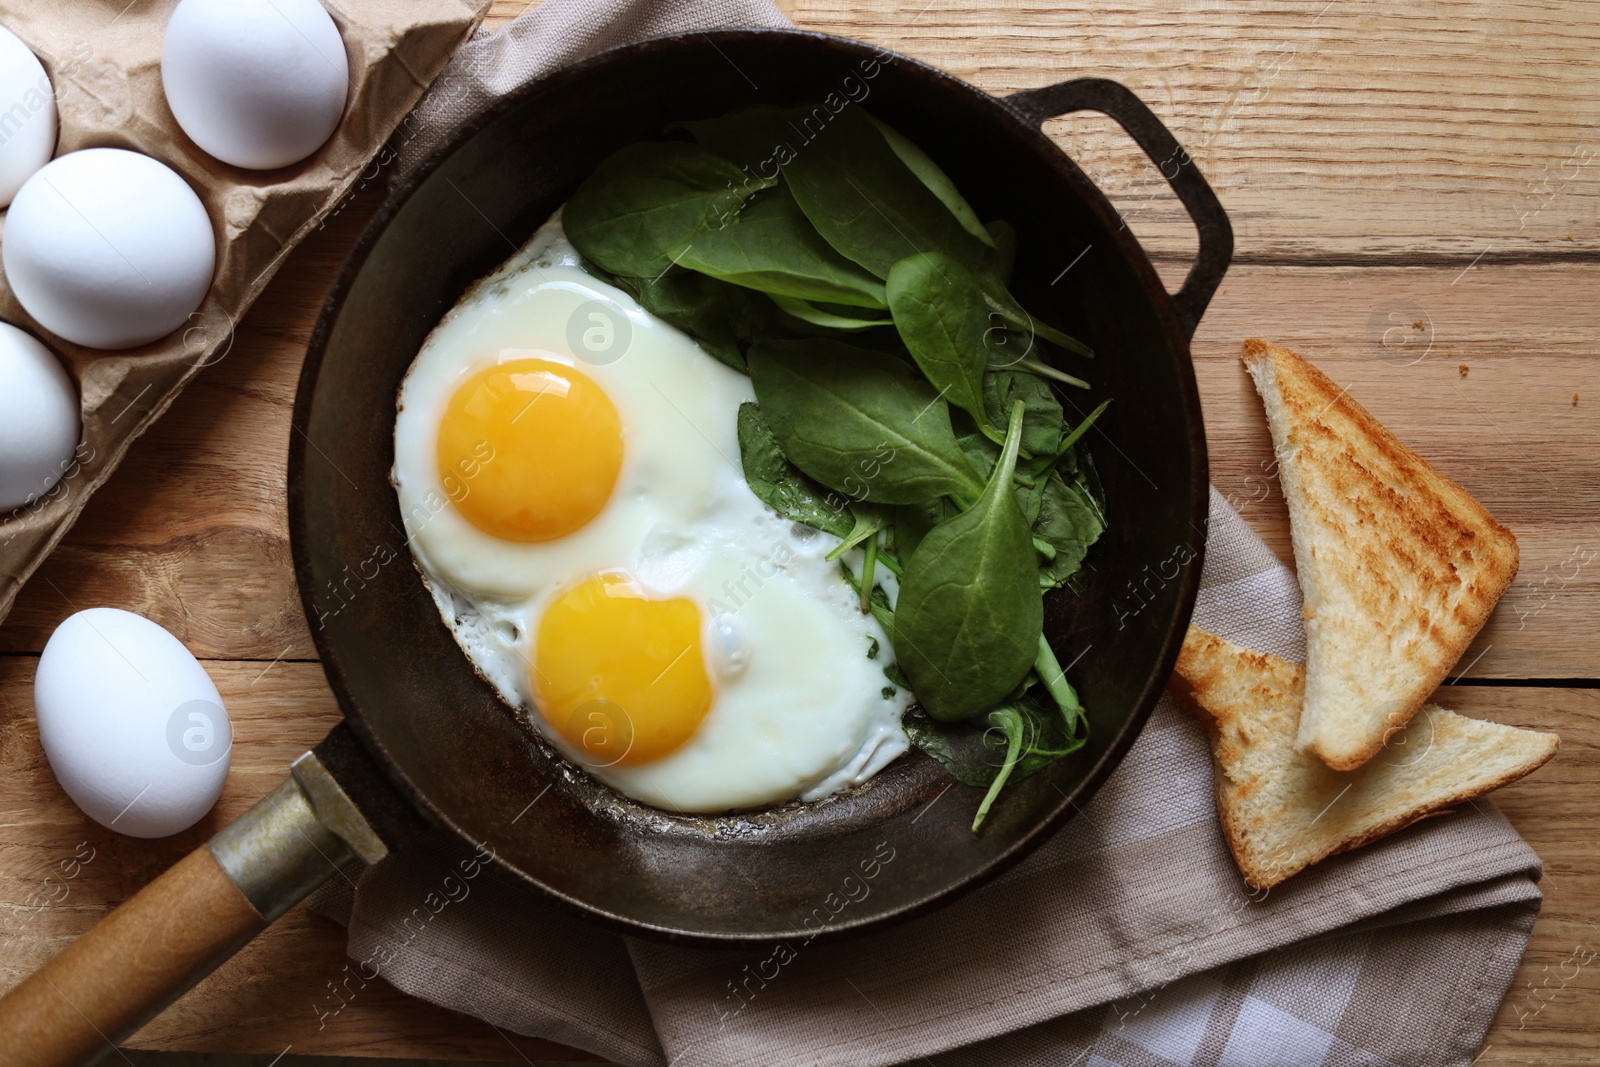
(1128, 940)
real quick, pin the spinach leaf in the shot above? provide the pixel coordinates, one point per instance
(647, 202)
(892, 671)
(1012, 349)
(1043, 421)
(763, 139)
(938, 182)
(748, 136)
(868, 204)
(1030, 498)
(722, 318)
(779, 485)
(859, 421)
(939, 310)
(1003, 236)
(1049, 672)
(973, 751)
(912, 522)
(1014, 315)
(959, 747)
(983, 454)
(868, 521)
(695, 304)
(1065, 459)
(1083, 427)
(816, 316)
(1070, 522)
(966, 623)
(1020, 734)
(877, 602)
(869, 563)
(773, 247)
(1010, 723)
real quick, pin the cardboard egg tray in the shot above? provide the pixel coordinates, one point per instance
(104, 62)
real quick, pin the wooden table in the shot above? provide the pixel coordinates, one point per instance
(1415, 188)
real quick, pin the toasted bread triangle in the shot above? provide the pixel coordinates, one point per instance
(1398, 565)
(1283, 810)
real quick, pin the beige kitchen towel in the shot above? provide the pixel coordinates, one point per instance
(1127, 940)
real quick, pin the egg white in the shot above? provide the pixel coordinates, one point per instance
(800, 710)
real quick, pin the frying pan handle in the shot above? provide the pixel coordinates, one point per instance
(1176, 166)
(140, 958)
(182, 926)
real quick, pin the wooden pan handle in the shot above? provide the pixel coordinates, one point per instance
(176, 930)
(140, 958)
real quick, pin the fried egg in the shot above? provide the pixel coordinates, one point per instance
(568, 471)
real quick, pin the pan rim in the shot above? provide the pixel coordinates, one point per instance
(1064, 167)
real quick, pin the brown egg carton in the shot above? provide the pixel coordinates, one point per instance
(104, 63)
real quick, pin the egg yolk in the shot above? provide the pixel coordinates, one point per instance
(618, 674)
(529, 450)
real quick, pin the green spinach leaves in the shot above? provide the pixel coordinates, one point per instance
(938, 308)
(773, 248)
(778, 484)
(868, 204)
(859, 421)
(905, 404)
(966, 625)
(648, 202)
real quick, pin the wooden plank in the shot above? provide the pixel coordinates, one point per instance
(1329, 129)
(1429, 145)
(1507, 429)
(262, 1001)
(60, 872)
(193, 531)
(1547, 1018)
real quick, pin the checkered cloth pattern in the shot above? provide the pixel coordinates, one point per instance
(1128, 940)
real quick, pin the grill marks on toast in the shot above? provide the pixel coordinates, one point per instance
(1398, 565)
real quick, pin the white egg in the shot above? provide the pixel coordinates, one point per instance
(27, 115)
(108, 248)
(256, 83)
(38, 419)
(133, 727)
(798, 707)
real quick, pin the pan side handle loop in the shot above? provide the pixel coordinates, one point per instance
(1176, 167)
